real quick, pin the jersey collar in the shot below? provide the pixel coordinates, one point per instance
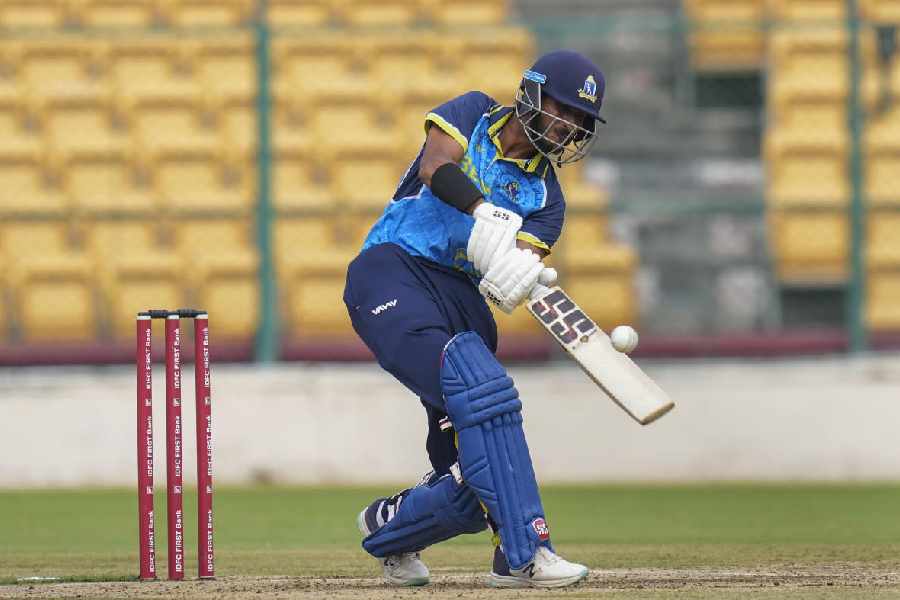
(497, 117)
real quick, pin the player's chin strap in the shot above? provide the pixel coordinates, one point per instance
(485, 410)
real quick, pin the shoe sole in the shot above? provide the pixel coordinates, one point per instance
(414, 582)
(509, 581)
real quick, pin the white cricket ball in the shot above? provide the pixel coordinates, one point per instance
(624, 338)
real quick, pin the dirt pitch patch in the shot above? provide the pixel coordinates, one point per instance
(700, 583)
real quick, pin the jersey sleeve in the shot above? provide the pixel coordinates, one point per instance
(458, 117)
(543, 227)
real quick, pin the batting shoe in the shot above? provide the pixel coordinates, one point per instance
(546, 570)
(406, 569)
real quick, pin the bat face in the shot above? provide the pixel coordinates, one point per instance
(622, 380)
(562, 317)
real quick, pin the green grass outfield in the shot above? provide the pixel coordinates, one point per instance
(267, 531)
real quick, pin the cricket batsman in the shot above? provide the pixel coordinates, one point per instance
(474, 215)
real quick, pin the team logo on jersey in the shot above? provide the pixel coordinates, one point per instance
(589, 89)
(512, 190)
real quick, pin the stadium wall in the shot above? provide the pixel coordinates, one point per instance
(823, 419)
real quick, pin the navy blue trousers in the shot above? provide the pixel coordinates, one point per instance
(406, 309)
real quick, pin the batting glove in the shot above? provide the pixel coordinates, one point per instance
(493, 235)
(511, 278)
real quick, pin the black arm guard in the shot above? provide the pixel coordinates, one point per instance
(452, 186)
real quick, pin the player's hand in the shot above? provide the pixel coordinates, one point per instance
(511, 278)
(493, 236)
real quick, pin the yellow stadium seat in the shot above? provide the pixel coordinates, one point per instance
(26, 190)
(175, 130)
(146, 71)
(63, 71)
(121, 240)
(191, 13)
(883, 238)
(519, 322)
(728, 34)
(209, 240)
(883, 300)
(85, 132)
(291, 135)
(342, 125)
(202, 183)
(377, 13)
(609, 299)
(321, 63)
(238, 126)
(311, 244)
(306, 13)
(881, 11)
(800, 57)
(882, 131)
(55, 299)
(810, 247)
(29, 13)
(314, 306)
(228, 68)
(312, 259)
(808, 178)
(231, 291)
(409, 118)
(300, 183)
(585, 230)
(5, 310)
(366, 181)
(136, 272)
(107, 185)
(464, 13)
(18, 240)
(406, 63)
(17, 141)
(356, 228)
(52, 289)
(818, 124)
(833, 11)
(220, 265)
(578, 191)
(881, 175)
(113, 13)
(495, 61)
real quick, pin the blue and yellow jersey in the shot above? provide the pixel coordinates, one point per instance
(424, 226)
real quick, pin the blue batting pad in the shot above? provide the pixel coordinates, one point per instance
(486, 412)
(432, 512)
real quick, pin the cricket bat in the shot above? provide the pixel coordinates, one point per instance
(616, 374)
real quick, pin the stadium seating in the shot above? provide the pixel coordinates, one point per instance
(811, 246)
(220, 267)
(881, 11)
(597, 271)
(827, 11)
(52, 290)
(27, 13)
(728, 34)
(135, 270)
(463, 13)
(141, 149)
(304, 13)
(311, 257)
